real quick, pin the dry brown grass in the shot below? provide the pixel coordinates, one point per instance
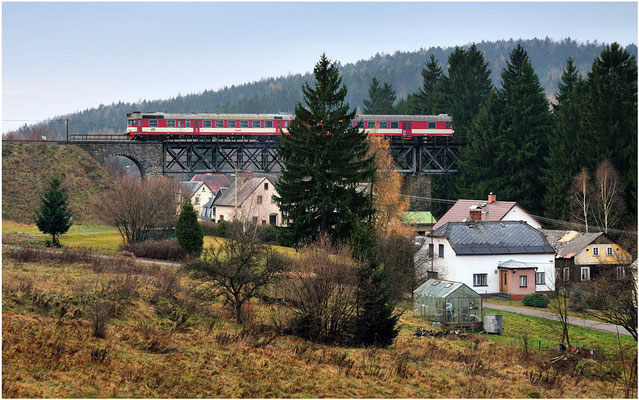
(146, 352)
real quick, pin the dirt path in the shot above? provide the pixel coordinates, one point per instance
(586, 323)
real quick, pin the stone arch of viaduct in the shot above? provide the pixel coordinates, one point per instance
(148, 157)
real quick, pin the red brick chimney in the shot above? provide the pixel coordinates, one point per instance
(492, 198)
(475, 213)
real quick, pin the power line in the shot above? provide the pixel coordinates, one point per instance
(538, 217)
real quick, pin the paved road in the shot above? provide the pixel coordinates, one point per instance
(586, 323)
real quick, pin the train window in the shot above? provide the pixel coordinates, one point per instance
(206, 124)
(268, 124)
(188, 124)
(153, 123)
(243, 124)
(394, 125)
(431, 125)
(231, 124)
(383, 125)
(286, 124)
(180, 124)
(256, 124)
(370, 124)
(449, 125)
(219, 123)
(131, 122)
(170, 123)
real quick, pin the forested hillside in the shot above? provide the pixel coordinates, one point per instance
(401, 70)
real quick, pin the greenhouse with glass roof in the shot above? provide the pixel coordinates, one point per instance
(448, 302)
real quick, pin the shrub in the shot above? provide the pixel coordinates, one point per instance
(160, 250)
(269, 234)
(188, 231)
(539, 300)
(223, 229)
(102, 313)
(209, 228)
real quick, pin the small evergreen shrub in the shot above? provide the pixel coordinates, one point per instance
(223, 229)
(209, 228)
(539, 300)
(188, 231)
(268, 234)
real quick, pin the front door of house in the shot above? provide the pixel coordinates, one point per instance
(504, 282)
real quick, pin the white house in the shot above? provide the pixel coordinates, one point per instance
(508, 257)
(491, 210)
(252, 200)
(199, 193)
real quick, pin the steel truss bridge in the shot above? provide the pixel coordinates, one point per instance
(198, 154)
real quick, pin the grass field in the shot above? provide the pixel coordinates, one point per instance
(151, 350)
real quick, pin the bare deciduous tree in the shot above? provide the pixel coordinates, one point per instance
(559, 305)
(608, 205)
(322, 291)
(396, 251)
(240, 267)
(581, 197)
(138, 207)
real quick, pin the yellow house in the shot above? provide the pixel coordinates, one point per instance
(199, 193)
(582, 256)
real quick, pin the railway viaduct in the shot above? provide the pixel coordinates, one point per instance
(416, 158)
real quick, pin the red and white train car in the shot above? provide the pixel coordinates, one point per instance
(150, 126)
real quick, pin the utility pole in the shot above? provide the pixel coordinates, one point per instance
(67, 130)
(235, 190)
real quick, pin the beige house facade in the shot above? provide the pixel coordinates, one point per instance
(199, 193)
(252, 200)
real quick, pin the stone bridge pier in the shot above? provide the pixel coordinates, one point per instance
(148, 157)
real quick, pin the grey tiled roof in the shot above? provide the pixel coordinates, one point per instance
(485, 238)
(246, 186)
(569, 243)
(189, 188)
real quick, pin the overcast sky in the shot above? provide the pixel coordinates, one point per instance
(64, 57)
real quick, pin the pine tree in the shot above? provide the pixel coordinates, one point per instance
(325, 159)
(380, 99)
(54, 217)
(189, 231)
(564, 142)
(524, 123)
(462, 92)
(611, 116)
(428, 99)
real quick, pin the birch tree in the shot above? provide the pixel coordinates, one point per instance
(581, 197)
(608, 205)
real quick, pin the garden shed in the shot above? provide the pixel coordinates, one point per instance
(448, 302)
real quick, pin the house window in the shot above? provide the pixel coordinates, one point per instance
(383, 125)
(595, 251)
(153, 123)
(441, 251)
(523, 281)
(430, 250)
(431, 125)
(265, 185)
(259, 199)
(394, 125)
(609, 251)
(219, 123)
(231, 124)
(540, 278)
(480, 279)
(268, 124)
(170, 123)
(254, 220)
(272, 199)
(197, 200)
(621, 272)
(243, 124)
(263, 222)
(585, 273)
(207, 124)
(566, 274)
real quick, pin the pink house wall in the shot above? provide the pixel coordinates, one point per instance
(514, 289)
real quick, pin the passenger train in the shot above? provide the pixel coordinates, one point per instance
(156, 125)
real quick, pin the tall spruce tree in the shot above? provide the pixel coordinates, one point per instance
(325, 159)
(611, 116)
(53, 217)
(565, 139)
(428, 99)
(462, 92)
(380, 99)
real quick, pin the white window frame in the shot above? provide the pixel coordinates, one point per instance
(609, 251)
(595, 251)
(541, 281)
(566, 274)
(440, 251)
(480, 279)
(523, 279)
(587, 275)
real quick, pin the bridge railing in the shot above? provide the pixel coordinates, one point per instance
(98, 138)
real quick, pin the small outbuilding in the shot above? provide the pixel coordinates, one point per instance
(448, 302)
